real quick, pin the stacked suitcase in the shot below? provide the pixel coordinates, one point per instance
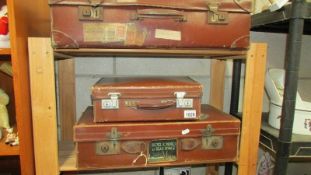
(139, 122)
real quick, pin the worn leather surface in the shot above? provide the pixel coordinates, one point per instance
(152, 98)
(224, 5)
(134, 134)
(194, 32)
(146, 87)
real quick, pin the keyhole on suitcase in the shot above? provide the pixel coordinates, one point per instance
(105, 148)
(212, 142)
(108, 148)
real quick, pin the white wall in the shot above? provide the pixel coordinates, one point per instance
(89, 70)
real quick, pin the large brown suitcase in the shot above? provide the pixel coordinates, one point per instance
(132, 145)
(150, 23)
(146, 99)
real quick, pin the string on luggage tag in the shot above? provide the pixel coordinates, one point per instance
(142, 154)
(139, 156)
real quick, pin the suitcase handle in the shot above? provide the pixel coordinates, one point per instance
(153, 106)
(178, 16)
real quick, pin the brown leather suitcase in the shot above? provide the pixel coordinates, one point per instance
(146, 99)
(150, 144)
(150, 23)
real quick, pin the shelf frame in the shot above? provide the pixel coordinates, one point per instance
(181, 53)
(5, 51)
(21, 85)
(7, 150)
(300, 143)
(42, 76)
(278, 21)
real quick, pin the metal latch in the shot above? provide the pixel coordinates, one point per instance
(215, 16)
(91, 13)
(208, 131)
(209, 141)
(182, 102)
(112, 103)
(109, 147)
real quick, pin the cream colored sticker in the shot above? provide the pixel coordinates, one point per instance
(168, 34)
(104, 32)
(135, 36)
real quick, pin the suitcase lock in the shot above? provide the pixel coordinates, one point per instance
(112, 103)
(209, 141)
(91, 13)
(182, 102)
(215, 16)
(109, 147)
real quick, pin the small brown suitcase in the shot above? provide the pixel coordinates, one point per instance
(132, 145)
(146, 99)
(150, 23)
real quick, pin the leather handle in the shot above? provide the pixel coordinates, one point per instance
(159, 14)
(92, 2)
(155, 106)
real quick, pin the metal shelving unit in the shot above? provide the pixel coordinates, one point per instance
(293, 19)
(278, 21)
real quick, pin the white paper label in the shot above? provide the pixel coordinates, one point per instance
(185, 131)
(168, 34)
(184, 103)
(110, 104)
(190, 114)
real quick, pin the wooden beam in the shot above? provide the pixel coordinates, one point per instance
(67, 97)
(42, 81)
(252, 109)
(181, 53)
(218, 68)
(19, 60)
(37, 14)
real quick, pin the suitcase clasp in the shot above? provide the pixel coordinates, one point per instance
(208, 131)
(110, 147)
(182, 102)
(209, 141)
(112, 103)
(215, 16)
(90, 13)
(113, 134)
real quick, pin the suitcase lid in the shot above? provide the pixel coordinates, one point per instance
(200, 5)
(146, 87)
(217, 123)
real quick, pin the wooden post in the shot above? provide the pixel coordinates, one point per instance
(218, 68)
(42, 83)
(252, 109)
(67, 97)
